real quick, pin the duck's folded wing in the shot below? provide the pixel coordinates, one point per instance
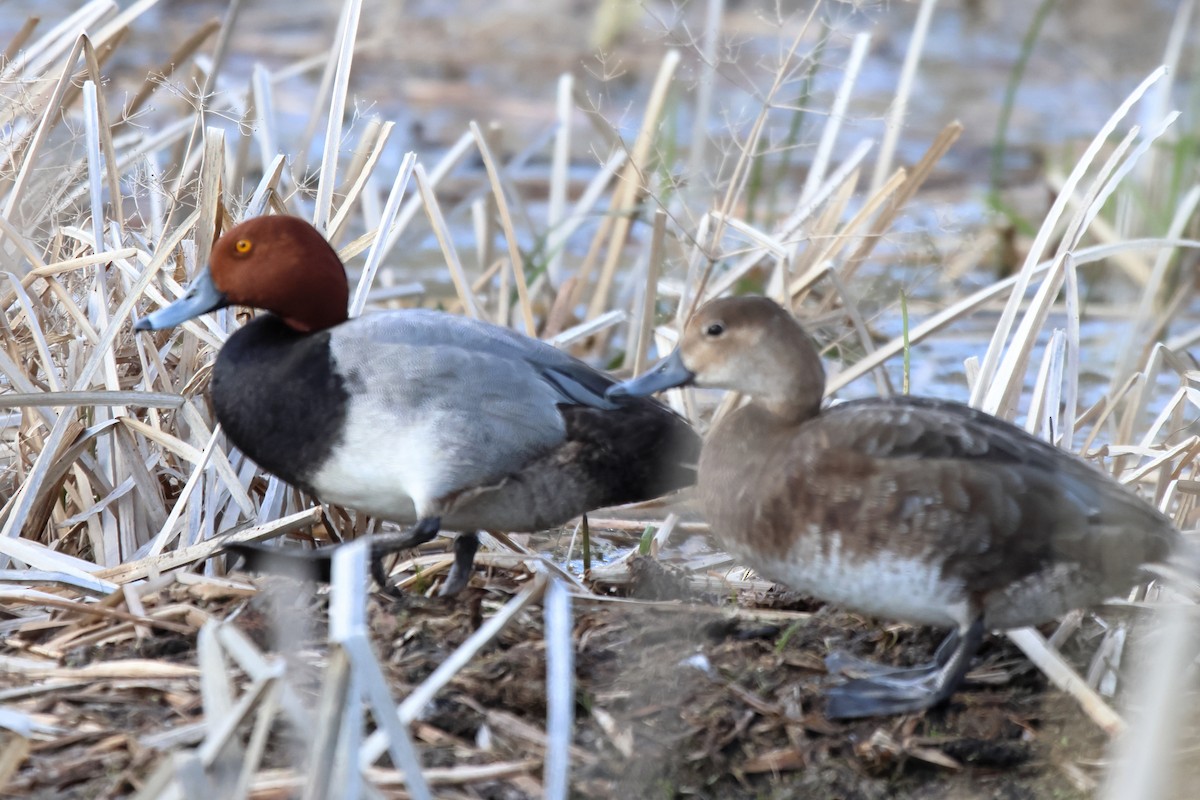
(465, 416)
(574, 381)
(945, 433)
(915, 427)
(990, 473)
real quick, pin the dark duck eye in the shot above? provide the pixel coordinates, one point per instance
(714, 329)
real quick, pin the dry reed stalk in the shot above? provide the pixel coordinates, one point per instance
(142, 568)
(961, 308)
(408, 710)
(17, 43)
(643, 323)
(560, 689)
(442, 231)
(48, 119)
(355, 677)
(514, 253)
(632, 185)
(358, 172)
(1149, 326)
(789, 233)
(116, 462)
(1001, 397)
(387, 222)
(186, 153)
(343, 57)
(1142, 758)
(819, 257)
(564, 110)
(914, 179)
(741, 173)
(990, 364)
(896, 111)
(837, 113)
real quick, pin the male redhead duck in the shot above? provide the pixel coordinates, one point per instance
(918, 510)
(415, 416)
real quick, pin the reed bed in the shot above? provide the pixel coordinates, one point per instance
(134, 664)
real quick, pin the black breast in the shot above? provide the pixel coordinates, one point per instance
(279, 398)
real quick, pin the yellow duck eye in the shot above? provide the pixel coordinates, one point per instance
(243, 246)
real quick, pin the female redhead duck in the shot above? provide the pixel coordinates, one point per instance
(918, 510)
(415, 416)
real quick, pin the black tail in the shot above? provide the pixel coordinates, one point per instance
(639, 451)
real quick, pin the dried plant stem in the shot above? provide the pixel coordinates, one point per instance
(632, 185)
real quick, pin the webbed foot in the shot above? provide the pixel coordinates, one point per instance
(900, 690)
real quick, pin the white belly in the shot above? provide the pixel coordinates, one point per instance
(385, 468)
(886, 586)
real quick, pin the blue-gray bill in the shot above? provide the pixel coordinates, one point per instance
(666, 374)
(202, 296)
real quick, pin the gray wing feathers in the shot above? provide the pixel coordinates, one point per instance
(485, 415)
(899, 428)
(574, 381)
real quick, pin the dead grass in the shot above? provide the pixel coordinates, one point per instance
(132, 665)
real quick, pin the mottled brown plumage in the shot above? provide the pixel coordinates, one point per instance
(920, 510)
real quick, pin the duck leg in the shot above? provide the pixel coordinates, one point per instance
(315, 565)
(852, 666)
(900, 691)
(465, 546)
(383, 545)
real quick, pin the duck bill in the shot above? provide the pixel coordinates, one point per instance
(666, 374)
(202, 296)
